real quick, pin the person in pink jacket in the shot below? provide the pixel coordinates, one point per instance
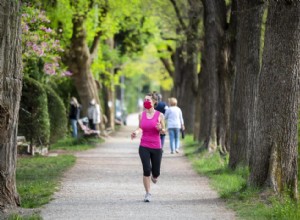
(151, 124)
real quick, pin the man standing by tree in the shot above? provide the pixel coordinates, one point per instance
(10, 92)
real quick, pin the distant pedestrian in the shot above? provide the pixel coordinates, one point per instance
(94, 114)
(175, 122)
(161, 107)
(151, 124)
(74, 115)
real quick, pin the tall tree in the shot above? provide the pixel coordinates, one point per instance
(274, 161)
(186, 61)
(80, 56)
(249, 20)
(225, 77)
(10, 92)
(214, 25)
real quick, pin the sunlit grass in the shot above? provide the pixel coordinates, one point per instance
(38, 177)
(19, 217)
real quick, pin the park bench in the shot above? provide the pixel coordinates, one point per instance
(23, 147)
(87, 132)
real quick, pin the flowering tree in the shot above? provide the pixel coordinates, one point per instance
(41, 47)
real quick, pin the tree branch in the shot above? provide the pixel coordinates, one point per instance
(178, 14)
(95, 44)
(167, 65)
(166, 62)
(169, 38)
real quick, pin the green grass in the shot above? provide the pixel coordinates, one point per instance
(249, 203)
(31, 217)
(38, 178)
(71, 144)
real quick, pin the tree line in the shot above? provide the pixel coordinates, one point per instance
(244, 99)
(234, 65)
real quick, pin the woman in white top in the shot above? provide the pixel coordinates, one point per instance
(94, 114)
(173, 116)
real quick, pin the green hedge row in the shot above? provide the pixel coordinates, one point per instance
(42, 115)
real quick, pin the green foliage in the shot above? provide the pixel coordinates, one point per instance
(144, 72)
(37, 178)
(57, 115)
(286, 208)
(65, 89)
(34, 121)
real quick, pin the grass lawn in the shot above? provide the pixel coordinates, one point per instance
(39, 177)
(249, 203)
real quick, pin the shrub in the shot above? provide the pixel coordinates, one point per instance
(33, 115)
(57, 115)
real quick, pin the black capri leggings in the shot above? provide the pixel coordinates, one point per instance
(151, 159)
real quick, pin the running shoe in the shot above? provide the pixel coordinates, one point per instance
(147, 197)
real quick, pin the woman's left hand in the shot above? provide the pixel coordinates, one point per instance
(158, 126)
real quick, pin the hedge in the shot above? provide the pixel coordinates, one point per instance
(34, 121)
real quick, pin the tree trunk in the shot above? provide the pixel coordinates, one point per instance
(186, 62)
(79, 63)
(274, 161)
(108, 93)
(10, 93)
(187, 92)
(249, 22)
(214, 31)
(225, 77)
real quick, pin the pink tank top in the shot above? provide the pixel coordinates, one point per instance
(150, 137)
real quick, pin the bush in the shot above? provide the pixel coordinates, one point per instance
(34, 121)
(57, 115)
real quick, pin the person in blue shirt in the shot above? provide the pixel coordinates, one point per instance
(161, 107)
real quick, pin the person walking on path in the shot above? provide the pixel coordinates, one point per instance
(151, 124)
(175, 122)
(161, 107)
(74, 115)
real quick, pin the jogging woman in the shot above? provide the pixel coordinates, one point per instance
(151, 124)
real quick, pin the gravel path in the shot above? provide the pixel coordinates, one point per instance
(106, 183)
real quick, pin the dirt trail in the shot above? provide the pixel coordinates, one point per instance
(106, 183)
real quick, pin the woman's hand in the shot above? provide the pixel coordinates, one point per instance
(133, 135)
(160, 128)
(162, 131)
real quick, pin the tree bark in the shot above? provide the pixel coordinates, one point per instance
(187, 82)
(10, 93)
(249, 13)
(274, 161)
(108, 93)
(214, 31)
(225, 77)
(79, 62)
